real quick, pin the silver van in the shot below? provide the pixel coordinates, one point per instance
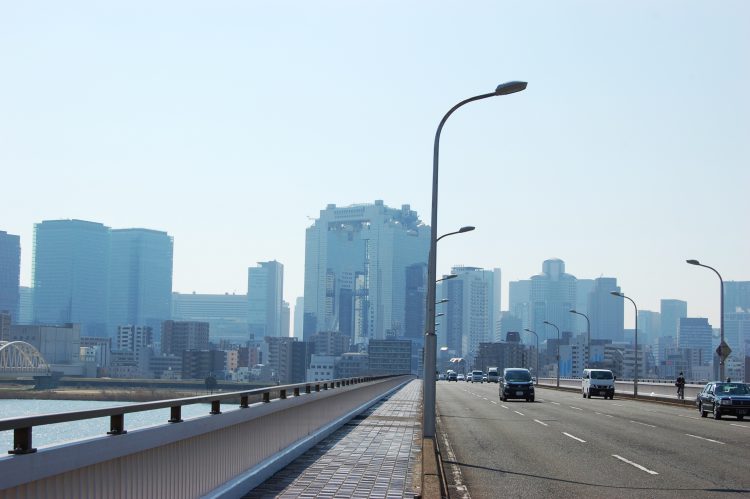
(598, 382)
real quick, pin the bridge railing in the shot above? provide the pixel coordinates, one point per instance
(646, 389)
(195, 456)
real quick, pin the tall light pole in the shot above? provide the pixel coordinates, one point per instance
(635, 378)
(466, 228)
(588, 333)
(721, 315)
(537, 353)
(558, 351)
(430, 342)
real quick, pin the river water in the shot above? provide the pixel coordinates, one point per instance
(53, 434)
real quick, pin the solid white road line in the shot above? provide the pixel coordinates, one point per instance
(519, 413)
(740, 425)
(574, 437)
(541, 423)
(706, 439)
(576, 408)
(643, 468)
(644, 424)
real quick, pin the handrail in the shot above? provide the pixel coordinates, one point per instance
(22, 426)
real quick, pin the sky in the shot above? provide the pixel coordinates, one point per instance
(231, 124)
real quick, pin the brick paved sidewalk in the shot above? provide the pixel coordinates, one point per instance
(373, 455)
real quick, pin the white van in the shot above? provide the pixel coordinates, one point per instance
(493, 375)
(599, 382)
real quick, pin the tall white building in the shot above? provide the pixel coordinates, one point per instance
(553, 295)
(265, 291)
(356, 260)
(472, 310)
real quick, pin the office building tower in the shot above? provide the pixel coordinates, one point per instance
(389, 357)
(583, 288)
(737, 333)
(671, 313)
(472, 310)
(299, 313)
(265, 290)
(4, 326)
(414, 304)
(25, 305)
(225, 313)
(606, 312)
(58, 344)
(553, 295)
(285, 318)
(355, 270)
(508, 323)
(649, 327)
(10, 270)
(696, 333)
(736, 297)
(70, 274)
(178, 336)
(519, 301)
(140, 278)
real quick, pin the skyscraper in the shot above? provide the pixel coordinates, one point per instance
(10, 269)
(140, 278)
(671, 313)
(355, 269)
(265, 290)
(606, 312)
(695, 333)
(299, 312)
(553, 295)
(70, 274)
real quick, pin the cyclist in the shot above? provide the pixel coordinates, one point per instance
(680, 384)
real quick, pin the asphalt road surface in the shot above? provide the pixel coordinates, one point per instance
(563, 445)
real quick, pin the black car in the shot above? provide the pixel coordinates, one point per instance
(516, 383)
(724, 399)
(452, 376)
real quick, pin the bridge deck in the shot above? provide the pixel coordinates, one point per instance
(374, 455)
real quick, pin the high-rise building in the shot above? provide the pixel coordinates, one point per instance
(25, 305)
(285, 318)
(583, 288)
(695, 333)
(226, 314)
(265, 291)
(178, 336)
(553, 295)
(299, 313)
(472, 310)
(649, 327)
(70, 274)
(10, 270)
(606, 312)
(671, 313)
(140, 278)
(519, 301)
(355, 270)
(414, 305)
(736, 296)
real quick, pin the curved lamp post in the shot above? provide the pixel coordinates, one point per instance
(635, 377)
(537, 353)
(558, 350)
(721, 314)
(430, 342)
(588, 333)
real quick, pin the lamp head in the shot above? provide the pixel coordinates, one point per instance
(467, 228)
(572, 311)
(616, 293)
(450, 276)
(547, 322)
(510, 87)
(693, 262)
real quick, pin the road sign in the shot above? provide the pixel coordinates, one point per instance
(723, 350)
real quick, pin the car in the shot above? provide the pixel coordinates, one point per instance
(599, 382)
(452, 376)
(724, 399)
(476, 376)
(516, 383)
(441, 377)
(484, 378)
(460, 377)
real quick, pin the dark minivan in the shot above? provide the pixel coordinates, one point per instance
(516, 383)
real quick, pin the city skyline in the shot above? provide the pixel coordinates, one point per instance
(624, 156)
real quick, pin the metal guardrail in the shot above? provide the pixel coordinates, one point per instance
(646, 389)
(22, 427)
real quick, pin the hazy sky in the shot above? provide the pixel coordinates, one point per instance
(230, 124)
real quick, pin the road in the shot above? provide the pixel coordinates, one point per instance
(563, 445)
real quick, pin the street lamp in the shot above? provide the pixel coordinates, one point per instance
(588, 333)
(635, 378)
(428, 412)
(446, 277)
(467, 228)
(537, 354)
(558, 351)
(721, 317)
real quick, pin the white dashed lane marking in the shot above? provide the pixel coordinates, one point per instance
(706, 439)
(740, 425)
(504, 406)
(644, 424)
(576, 408)
(519, 413)
(631, 463)
(541, 423)
(493, 401)
(574, 437)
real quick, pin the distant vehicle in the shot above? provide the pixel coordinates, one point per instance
(476, 377)
(599, 382)
(516, 383)
(484, 378)
(452, 376)
(493, 375)
(441, 376)
(724, 399)
(460, 377)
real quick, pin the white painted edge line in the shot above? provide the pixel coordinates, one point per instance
(556, 403)
(643, 468)
(541, 422)
(520, 413)
(740, 425)
(503, 406)
(574, 437)
(706, 439)
(494, 402)
(644, 424)
(576, 408)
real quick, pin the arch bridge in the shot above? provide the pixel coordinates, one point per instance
(18, 358)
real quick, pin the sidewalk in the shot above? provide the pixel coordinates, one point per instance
(373, 455)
